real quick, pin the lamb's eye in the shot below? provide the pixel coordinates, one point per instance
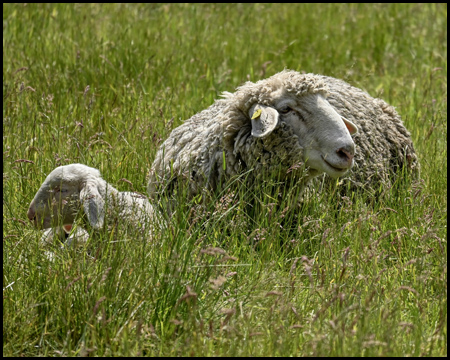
(57, 191)
(285, 110)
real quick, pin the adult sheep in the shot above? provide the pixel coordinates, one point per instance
(277, 123)
(71, 189)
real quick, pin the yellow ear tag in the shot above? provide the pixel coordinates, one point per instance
(256, 114)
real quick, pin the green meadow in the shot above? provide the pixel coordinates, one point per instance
(104, 85)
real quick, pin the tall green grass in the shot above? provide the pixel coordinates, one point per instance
(104, 85)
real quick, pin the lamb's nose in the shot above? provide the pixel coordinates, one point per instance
(31, 214)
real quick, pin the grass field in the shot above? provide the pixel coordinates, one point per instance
(104, 85)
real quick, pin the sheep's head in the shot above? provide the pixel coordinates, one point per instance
(65, 191)
(300, 101)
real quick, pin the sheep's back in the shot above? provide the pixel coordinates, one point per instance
(193, 150)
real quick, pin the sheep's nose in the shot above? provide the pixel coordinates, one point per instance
(346, 153)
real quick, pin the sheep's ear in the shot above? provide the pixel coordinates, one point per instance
(93, 205)
(264, 120)
(352, 128)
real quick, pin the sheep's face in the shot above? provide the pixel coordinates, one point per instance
(324, 135)
(56, 202)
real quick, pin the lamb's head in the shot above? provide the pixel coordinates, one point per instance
(300, 101)
(65, 191)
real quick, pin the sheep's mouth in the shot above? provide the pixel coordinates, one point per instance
(337, 169)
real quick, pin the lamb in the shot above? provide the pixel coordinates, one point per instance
(71, 188)
(280, 123)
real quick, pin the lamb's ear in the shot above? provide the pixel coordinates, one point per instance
(93, 205)
(264, 120)
(352, 128)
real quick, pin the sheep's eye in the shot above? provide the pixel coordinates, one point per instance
(285, 110)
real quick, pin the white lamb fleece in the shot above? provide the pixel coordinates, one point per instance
(278, 124)
(69, 189)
